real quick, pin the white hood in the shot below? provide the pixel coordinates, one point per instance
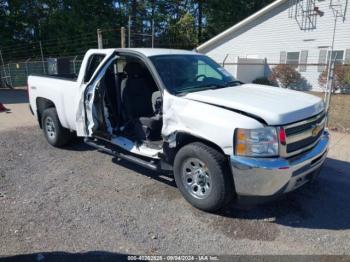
(277, 106)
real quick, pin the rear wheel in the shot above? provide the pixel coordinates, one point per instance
(54, 132)
(202, 176)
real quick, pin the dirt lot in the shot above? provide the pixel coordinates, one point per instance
(79, 200)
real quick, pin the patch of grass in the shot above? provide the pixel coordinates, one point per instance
(339, 111)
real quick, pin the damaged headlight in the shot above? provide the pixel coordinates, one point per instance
(261, 142)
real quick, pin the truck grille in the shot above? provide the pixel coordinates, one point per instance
(303, 135)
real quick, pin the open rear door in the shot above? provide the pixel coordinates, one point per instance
(85, 112)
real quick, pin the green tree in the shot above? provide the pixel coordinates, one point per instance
(182, 33)
(68, 27)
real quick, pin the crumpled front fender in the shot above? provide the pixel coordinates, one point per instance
(199, 119)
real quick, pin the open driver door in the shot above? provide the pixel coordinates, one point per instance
(93, 68)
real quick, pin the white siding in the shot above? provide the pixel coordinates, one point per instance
(273, 33)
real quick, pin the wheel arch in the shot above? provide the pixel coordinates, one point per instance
(42, 104)
(178, 140)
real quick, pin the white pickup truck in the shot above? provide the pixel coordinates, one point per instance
(179, 110)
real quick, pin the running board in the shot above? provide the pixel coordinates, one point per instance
(147, 164)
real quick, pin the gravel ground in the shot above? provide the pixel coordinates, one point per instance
(79, 200)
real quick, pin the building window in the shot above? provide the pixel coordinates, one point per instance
(292, 58)
(322, 57)
(303, 60)
(337, 56)
(283, 57)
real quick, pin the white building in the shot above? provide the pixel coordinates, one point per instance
(288, 32)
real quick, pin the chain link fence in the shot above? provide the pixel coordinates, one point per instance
(19, 61)
(15, 74)
(17, 64)
(310, 78)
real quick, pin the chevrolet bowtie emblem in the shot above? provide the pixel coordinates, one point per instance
(316, 130)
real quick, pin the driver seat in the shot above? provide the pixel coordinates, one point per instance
(138, 98)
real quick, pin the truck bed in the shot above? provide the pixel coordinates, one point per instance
(69, 77)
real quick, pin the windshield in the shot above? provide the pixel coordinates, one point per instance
(191, 73)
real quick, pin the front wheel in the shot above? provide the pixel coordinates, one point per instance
(54, 132)
(201, 174)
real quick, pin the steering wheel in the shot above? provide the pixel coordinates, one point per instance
(199, 76)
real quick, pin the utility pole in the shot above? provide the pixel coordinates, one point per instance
(152, 33)
(9, 70)
(330, 70)
(331, 61)
(27, 69)
(129, 31)
(99, 39)
(3, 68)
(3, 64)
(74, 67)
(122, 37)
(42, 56)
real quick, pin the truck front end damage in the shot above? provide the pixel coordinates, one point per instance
(301, 154)
(284, 158)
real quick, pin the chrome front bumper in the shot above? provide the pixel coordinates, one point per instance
(271, 176)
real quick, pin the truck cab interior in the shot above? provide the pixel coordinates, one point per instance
(128, 104)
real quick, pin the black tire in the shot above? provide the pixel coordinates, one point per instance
(59, 136)
(219, 192)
